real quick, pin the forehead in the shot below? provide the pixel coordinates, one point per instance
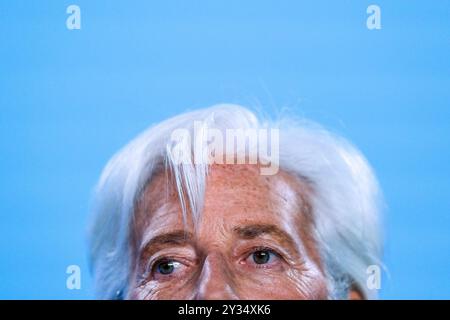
(234, 195)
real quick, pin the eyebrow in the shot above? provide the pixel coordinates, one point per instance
(256, 230)
(178, 237)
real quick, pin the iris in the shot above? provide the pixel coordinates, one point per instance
(261, 256)
(166, 267)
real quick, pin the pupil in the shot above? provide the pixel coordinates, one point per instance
(165, 267)
(261, 257)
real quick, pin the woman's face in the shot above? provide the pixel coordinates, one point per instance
(252, 241)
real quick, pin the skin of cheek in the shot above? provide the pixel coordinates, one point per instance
(168, 290)
(287, 286)
(310, 284)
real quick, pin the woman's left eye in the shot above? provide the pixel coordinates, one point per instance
(262, 257)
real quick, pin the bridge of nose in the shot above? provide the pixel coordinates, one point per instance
(215, 281)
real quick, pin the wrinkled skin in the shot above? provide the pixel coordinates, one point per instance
(252, 241)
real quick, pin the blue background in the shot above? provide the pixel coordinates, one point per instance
(70, 99)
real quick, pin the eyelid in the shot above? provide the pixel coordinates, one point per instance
(264, 248)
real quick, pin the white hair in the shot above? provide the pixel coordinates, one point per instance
(345, 200)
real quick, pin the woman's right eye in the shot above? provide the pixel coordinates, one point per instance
(166, 267)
